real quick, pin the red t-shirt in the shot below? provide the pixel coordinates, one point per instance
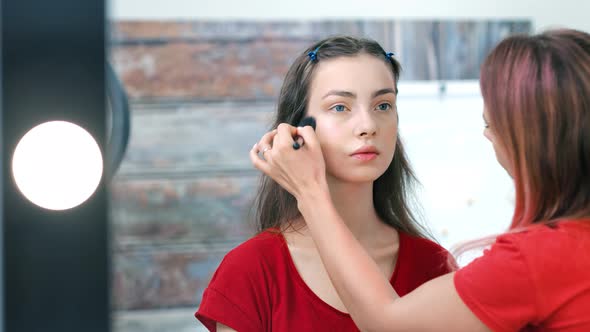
(257, 287)
(537, 280)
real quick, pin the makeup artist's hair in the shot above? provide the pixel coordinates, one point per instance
(537, 93)
(391, 191)
(536, 90)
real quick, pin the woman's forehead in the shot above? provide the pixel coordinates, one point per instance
(352, 73)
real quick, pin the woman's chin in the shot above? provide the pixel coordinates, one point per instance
(358, 177)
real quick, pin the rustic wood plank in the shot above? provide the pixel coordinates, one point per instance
(163, 211)
(165, 277)
(248, 60)
(192, 138)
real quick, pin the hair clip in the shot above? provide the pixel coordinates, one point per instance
(313, 55)
(389, 55)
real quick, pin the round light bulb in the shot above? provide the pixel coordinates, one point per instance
(57, 165)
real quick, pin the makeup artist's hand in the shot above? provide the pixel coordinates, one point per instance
(301, 171)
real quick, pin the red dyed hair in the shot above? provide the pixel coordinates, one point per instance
(536, 90)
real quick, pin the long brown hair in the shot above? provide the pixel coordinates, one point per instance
(275, 206)
(536, 90)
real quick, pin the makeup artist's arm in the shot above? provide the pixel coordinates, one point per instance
(366, 293)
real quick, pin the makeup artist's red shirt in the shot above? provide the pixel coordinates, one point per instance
(536, 280)
(257, 287)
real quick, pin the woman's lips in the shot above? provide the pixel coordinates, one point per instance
(365, 153)
(365, 156)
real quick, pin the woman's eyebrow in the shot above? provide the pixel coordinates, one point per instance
(349, 94)
(339, 93)
(383, 92)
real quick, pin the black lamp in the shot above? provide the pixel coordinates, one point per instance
(55, 262)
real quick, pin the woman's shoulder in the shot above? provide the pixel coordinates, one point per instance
(253, 259)
(421, 245)
(265, 244)
(426, 252)
(239, 293)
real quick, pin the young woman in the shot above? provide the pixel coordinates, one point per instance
(276, 280)
(536, 277)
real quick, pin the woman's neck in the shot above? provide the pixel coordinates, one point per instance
(354, 203)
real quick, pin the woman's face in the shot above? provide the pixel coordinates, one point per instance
(501, 154)
(354, 102)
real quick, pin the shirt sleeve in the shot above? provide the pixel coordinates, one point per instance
(497, 287)
(237, 295)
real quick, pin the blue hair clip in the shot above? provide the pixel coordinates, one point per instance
(389, 55)
(313, 55)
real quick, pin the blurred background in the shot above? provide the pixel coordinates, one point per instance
(202, 80)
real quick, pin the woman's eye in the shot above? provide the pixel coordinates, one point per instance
(339, 108)
(384, 107)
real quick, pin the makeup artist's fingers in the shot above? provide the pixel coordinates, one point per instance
(284, 137)
(271, 168)
(286, 128)
(296, 171)
(311, 151)
(262, 147)
(258, 162)
(267, 139)
(309, 136)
